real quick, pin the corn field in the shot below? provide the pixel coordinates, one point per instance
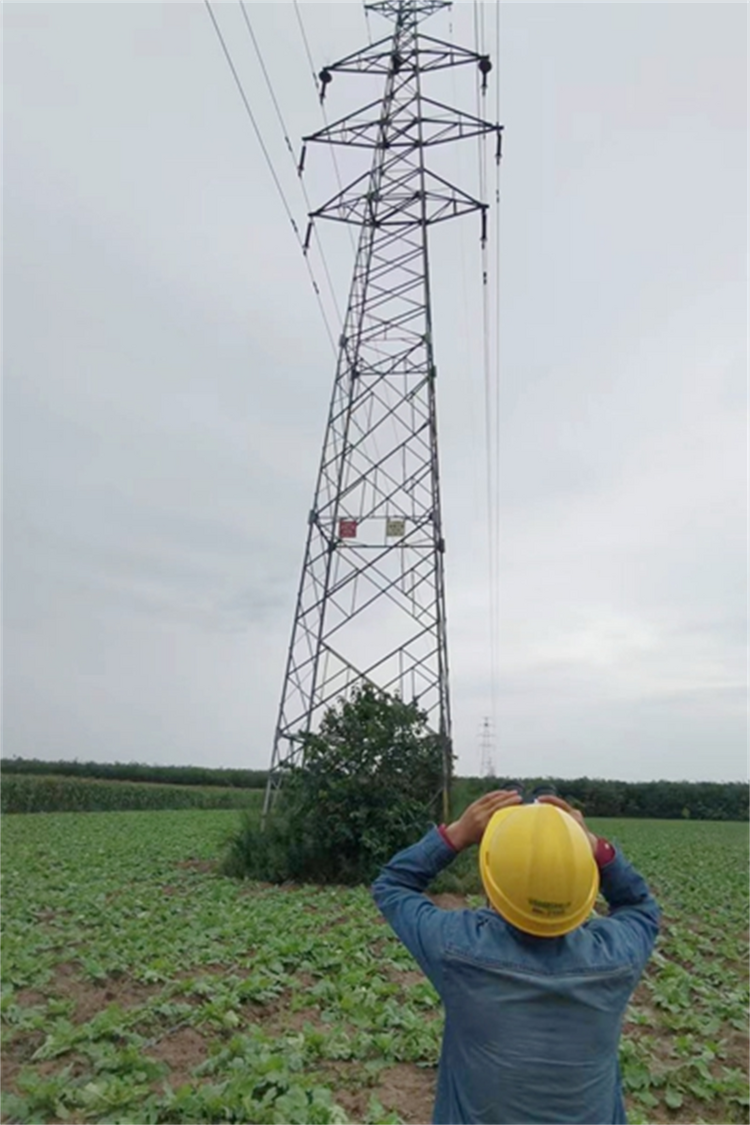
(29, 793)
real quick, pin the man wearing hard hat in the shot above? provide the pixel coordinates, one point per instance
(534, 992)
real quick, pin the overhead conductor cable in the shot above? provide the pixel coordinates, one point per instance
(271, 169)
(489, 408)
(498, 154)
(321, 103)
(290, 150)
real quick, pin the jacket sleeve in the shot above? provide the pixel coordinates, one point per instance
(399, 894)
(632, 908)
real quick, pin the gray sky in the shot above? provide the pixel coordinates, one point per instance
(167, 376)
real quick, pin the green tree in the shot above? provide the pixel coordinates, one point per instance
(369, 784)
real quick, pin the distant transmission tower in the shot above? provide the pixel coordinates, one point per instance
(487, 750)
(371, 600)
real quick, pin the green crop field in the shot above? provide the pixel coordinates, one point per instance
(139, 986)
(32, 793)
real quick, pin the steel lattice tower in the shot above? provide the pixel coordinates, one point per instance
(488, 758)
(371, 600)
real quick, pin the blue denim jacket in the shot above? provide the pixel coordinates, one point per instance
(532, 1025)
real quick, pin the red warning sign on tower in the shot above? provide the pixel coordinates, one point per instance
(347, 529)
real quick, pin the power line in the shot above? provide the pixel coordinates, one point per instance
(498, 592)
(290, 150)
(469, 336)
(254, 123)
(271, 168)
(337, 171)
(492, 514)
(269, 84)
(307, 45)
(310, 60)
(481, 27)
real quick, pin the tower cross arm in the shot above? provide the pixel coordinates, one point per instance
(427, 199)
(379, 58)
(434, 124)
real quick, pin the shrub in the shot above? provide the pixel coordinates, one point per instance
(369, 784)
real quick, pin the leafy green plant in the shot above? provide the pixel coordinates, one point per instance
(368, 786)
(120, 942)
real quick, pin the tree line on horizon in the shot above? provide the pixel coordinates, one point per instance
(136, 771)
(659, 800)
(647, 800)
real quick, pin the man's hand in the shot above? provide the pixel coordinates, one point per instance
(575, 813)
(470, 826)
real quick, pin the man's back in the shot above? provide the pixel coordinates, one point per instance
(532, 1027)
(532, 1024)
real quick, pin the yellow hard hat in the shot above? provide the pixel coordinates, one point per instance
(538, 870)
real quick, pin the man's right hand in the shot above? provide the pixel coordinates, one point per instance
(575, 813)
(470, 826)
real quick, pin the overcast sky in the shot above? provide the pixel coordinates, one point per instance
(167, 377)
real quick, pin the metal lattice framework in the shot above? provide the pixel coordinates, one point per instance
(487, 768)
(371, 600)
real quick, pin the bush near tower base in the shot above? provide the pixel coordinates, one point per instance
(369, 785)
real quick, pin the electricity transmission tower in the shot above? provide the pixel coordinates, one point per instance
(487, 767)
(371, 600)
